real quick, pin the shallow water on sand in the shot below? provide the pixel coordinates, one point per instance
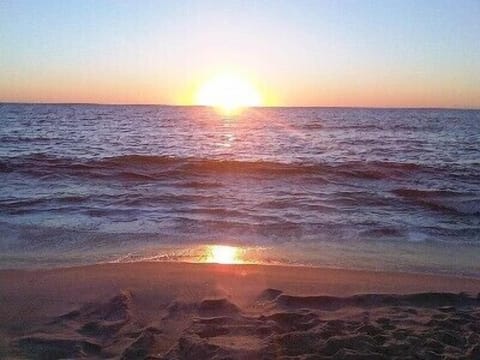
(364, 188)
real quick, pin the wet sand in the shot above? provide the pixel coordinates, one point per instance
(205, 311)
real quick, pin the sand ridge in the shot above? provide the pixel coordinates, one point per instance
(179, 321)
(370, 326)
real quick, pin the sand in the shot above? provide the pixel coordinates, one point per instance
(207, 311)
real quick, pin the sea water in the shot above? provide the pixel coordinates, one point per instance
(381, 189)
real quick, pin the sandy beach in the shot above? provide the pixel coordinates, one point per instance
(240, 180)
(204, 311)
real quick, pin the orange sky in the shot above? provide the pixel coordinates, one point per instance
(294, 53)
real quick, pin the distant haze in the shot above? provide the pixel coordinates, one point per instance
(327, 53)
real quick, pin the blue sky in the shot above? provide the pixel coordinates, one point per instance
(354, 53)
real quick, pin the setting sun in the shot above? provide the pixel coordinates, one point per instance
(228, 93)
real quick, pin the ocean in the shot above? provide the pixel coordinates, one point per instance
(376, 189)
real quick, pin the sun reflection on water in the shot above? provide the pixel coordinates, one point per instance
(228, 140)
(223, 254)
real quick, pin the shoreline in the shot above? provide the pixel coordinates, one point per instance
(63, 267)
(317, 277)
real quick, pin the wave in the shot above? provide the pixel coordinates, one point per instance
(151, 168)
(446, 201)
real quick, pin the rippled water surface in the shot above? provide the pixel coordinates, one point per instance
(364, 188)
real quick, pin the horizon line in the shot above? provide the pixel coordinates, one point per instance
(258, 107)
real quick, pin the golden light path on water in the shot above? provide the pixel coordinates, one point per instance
(223, 254)
(229, 254)
(211, 254)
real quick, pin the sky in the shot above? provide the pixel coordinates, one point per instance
(385, 53)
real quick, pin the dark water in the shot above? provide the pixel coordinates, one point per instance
(364, 188)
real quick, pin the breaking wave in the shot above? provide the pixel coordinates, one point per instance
(151, 167)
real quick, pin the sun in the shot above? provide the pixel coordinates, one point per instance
(228, 93)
